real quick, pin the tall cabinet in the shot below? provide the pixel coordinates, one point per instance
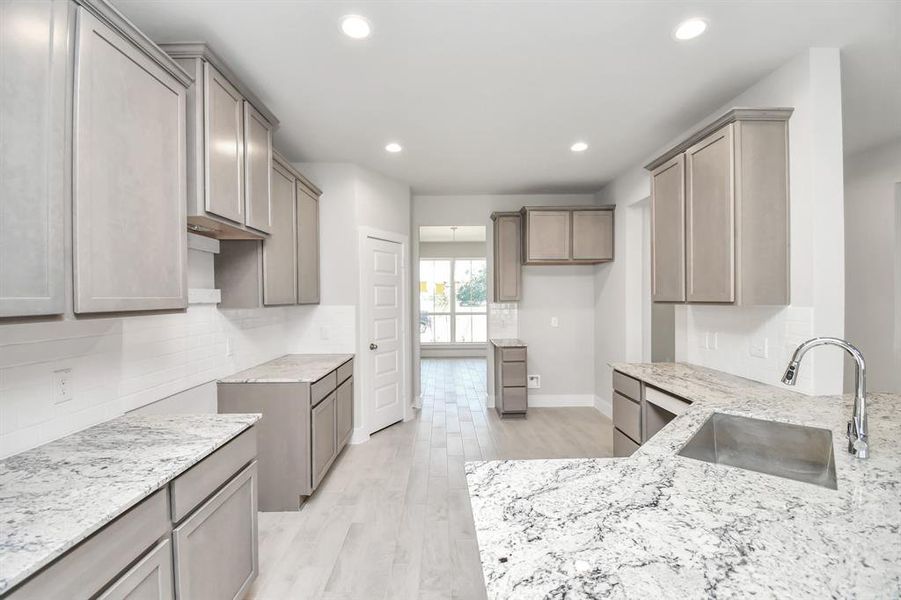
(507, 256)
(229, 137)
(35, 102)
(720, 213)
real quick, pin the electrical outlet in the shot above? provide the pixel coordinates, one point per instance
(323, 333)
(229, 351)
(760, 347)
(715, 341)
(62, 386)
(704, 341)
(555, 322)
(534, 381)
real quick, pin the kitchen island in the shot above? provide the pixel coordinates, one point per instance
(659, 525)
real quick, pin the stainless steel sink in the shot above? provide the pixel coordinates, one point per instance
(781, 449)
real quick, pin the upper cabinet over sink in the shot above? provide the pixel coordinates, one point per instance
(720, 213)
(559, 236)
(229, 149)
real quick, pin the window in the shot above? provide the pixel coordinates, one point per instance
(453, 296)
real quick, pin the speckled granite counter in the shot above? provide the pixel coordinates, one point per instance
(56, 495)
(657, 525)
(291, 368)
(508, 343)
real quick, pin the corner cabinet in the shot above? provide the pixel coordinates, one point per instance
(129, 242)
(567, 235)
(720, 213)
(35, 101)
(507, 256)
(229, 139)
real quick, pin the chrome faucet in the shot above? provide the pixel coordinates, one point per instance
(858, 431)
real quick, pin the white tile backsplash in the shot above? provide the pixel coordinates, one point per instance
(503, 320)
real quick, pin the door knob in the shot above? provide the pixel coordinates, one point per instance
(373, 346)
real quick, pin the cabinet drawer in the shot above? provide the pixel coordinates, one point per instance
(513, 354)
(622, 445)
(345, 371)
(323, 442)
(627, 416)
(514, 400)
(216, 547)
(204, 478)
(150, 579)
(344, 411)
(323, 388)
(627, 386)
(672, 404)
(91, 565)
(513, 374)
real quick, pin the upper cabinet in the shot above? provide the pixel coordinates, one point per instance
(307, 241)
(280, 249)
(507, 256)
(129, 191)
(578, 235)
(35, 103)
(229, 149)
(720, 213)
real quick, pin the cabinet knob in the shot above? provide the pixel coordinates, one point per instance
(373, 346)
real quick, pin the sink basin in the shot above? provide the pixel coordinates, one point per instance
(780, 449)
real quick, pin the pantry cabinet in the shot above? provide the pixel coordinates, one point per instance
(507, 270)
(129, 193)
(229, 138)
(35, 101)
(567, 235)
(720, 213)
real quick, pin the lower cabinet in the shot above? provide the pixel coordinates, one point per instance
(345, 412)
(323, 437)
(510, 391)
(150, 579)
(215, 547)
(639, 412)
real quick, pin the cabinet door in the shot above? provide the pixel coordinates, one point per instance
(216, 547)
(323, 440)
(548, 235)
(307, 247)
(592, 234)
(280, 249)
(129, 200)
(223, 115)
(34, 102)
(507, 258)
(710, 253)
(668, 231)
(149, 579)
(257, 169)
(345, 411)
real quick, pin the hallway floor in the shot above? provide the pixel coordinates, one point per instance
(392, 520)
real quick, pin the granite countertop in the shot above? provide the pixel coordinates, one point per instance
(290, 368)
(657, 525)
(508, 343)
(56, 495)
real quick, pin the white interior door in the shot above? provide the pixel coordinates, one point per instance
(384, 282)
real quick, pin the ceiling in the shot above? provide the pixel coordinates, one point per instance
(488, 96)
(452, 233)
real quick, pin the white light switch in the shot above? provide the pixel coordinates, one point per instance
(323, 333)
(555, 322)
(760, 347)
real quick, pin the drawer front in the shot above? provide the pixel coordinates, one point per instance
(622, 445)
(513, 374)
(204, 478)
(627, 416)
(323, 387)
(627, 386)
(515, 400)
(344, 411)
(216, 547)
(150, 579)
(345, 371)
(323, 438)
(672, 404)
(513, 354)
(91, 565)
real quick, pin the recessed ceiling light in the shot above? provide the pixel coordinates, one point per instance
(579, 147)
(356, 27)
(690, 29)
(394, 147)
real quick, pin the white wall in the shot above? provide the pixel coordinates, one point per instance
(811, 84)
(873, 263)
(452, 249)
(563, 356)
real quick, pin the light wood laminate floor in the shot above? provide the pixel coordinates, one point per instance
(392, 520)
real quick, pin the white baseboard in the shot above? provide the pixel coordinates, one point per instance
(489, 401)
(561, 400)
(604, 406)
